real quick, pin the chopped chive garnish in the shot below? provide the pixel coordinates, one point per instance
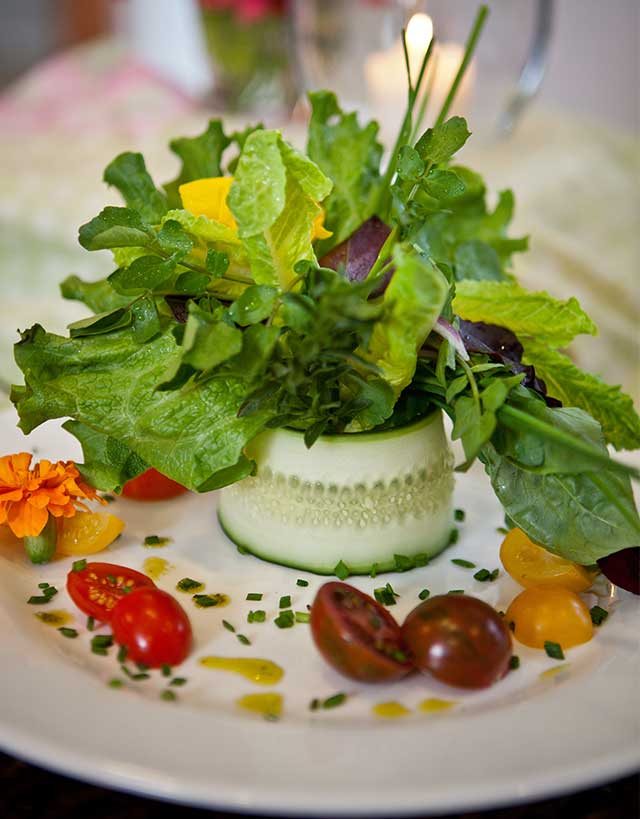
(314, 704)
(341, 570)
(206, 601)
(453, 537)
(243, 639)
(374, 570)
(424, 594)
(514, 662)
(79, 565)
(254, 596)
(334, 701)
(101, 643)
(301, 582)
(285, 602)
(142, 666)
(403, 563)
(115, 683)
(151, 540)
(187, 584)
(142, 675)
(43, 585)
(386, 595)
(554, 650)
(458, 515)
(303, 617)
(122, 654)
(228, 626)
(166, 670)
(168, 695)
(178, 681)
(494, 575)
(38, 600)
(502, 531)
(598, 615)
(91, 622)
(421, 559)
(455, 591)
(285, 619)
(465, 564)
(108, 498)
(258, 616)
(68, 632)
(483, 575)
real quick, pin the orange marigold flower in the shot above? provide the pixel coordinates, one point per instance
(28, 496)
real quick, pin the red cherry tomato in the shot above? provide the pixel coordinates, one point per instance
(153, 626)
(356, 635)
(460, 640)
(151, 486)
(97, 588)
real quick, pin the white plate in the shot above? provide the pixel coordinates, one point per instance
(525, 738)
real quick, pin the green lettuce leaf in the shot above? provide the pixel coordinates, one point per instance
(201, 158)
(108, 383)
(611, 407)
(527, 314)
(350, 156)
(109, 463)
(414, 299)
(100, 297)
(128, 173)
(274, 200)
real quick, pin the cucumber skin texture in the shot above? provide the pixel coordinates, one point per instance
(326, 571)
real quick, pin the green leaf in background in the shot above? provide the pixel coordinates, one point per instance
(258, 342)
(576, 388)
(478, 261)
(216, 263)
(101, 323)
(146, 321)
(254, 305)
(410, 165)
(208, 230)
(208, 339)
(144, 273)
(414, 299)
(99, 296)
(443, 184)
(108, 383)
(128, 173)
(350, 156)
(115, 227)
(440, 143)
(109, 463)
(581, 517)
(473, 426)
(201, 158)
(274, 199)
(173, 240)
(525, 313)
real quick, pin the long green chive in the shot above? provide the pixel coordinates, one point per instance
(554, 650)
(455, 591)
(303, 617)
(301, 582)
(465, 564)
(424, 594)
(285, 602)
(79, 565)
(254, 596)
(243, 639)
(68, 632)
(258, 616)
(285, 619)
(598, 615)
(341, 570)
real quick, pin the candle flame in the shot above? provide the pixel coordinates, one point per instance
(419, 33)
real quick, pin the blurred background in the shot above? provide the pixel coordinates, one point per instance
(552, 97)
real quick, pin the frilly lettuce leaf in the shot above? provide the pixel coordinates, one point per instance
(201, 158)
(415, 297)
(108, 384)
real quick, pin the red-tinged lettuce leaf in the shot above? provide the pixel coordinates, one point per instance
(356, 255)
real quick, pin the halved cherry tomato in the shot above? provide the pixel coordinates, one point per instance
(356, 635)
(549, 614)
(87, 532)
(532, 565)
(152, 486)
(97, 588)
(153, 626)
(460, 640)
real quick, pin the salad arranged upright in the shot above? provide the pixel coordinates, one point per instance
(266, 287)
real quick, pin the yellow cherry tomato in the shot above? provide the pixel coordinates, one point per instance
(556, 615)
(532, 565)
(87, 533)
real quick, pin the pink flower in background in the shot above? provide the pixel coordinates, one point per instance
(247, 9)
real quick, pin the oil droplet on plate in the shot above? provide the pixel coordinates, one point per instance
(431, 706)
(261, 672)
(553, 672)
(390, 710)
(267, 705)
(155, 567)
(55, 618)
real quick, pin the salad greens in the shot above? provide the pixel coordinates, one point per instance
(264, 287)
